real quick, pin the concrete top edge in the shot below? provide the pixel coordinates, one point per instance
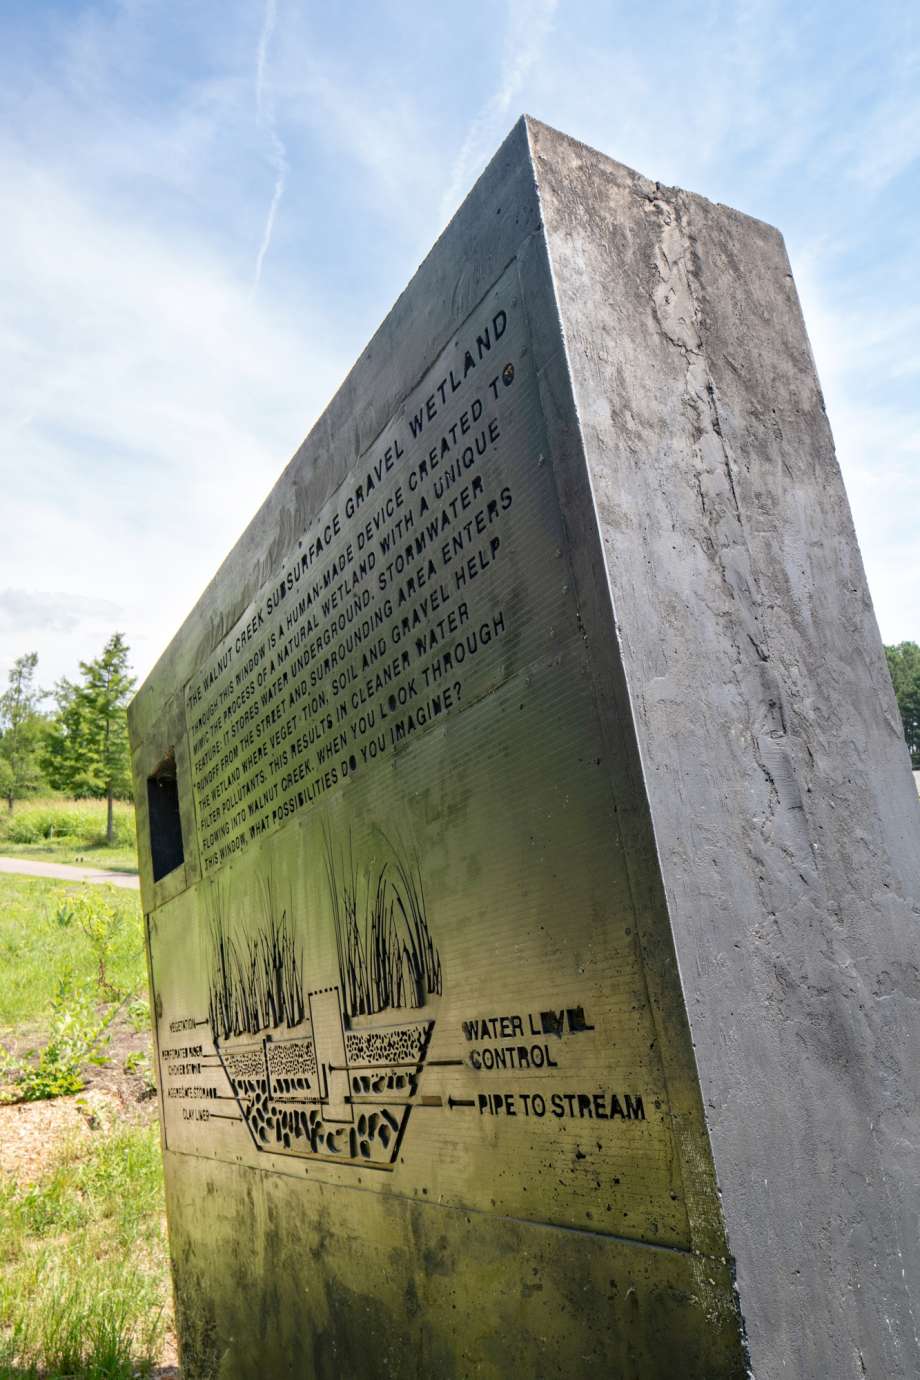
(512, 176)
(539, 132)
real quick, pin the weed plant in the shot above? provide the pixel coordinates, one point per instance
(100, 922)
(80, 1012)
(138, 1015)
(83, 1271)
(139, 1064)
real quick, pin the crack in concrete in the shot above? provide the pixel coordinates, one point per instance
(724, 539)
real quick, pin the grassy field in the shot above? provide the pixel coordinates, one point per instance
(69, 831)
(84, 1280)
(84, 1291)
(38, 951)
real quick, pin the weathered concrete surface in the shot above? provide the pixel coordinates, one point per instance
(784, 812)
(670, 801)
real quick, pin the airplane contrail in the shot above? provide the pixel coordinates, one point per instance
(528, 27)
(266, 116)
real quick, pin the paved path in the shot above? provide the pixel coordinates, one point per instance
(64, 872)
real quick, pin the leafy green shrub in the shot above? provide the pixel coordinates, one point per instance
(33, 823)
(78, 1036)
(138, 1014)
(123, 832)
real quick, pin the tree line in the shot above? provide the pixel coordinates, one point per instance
(80, 746)
(904, 667)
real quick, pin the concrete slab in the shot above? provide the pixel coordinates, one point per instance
(527, 845)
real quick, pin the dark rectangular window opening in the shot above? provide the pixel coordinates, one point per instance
(165, 825)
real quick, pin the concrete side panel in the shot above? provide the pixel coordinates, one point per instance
(429, 1097)
(785, 817)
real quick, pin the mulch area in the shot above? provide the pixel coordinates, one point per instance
(30, 1132)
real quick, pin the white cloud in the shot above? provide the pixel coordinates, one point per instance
(150, 404)
(886, 142)
(151, 397)
(375, 133)
(75, 626)
(59, 612)
(856, 350)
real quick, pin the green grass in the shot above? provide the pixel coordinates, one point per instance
(36, 952)
(83, 1270)
(84, 1275)
(71, 831)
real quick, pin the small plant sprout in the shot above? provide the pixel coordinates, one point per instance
(101, 924)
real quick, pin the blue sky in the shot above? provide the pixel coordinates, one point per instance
(210, 206)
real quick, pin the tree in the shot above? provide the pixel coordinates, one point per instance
(21, 729)
(904, 665)
(87, 751)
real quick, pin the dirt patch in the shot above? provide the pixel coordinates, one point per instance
(120, 1089)
(131, 1068)
(31, 1132)
(127, 1076)
(169, 1369)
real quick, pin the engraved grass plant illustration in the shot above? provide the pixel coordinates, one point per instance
(294, 1091)
(256, 979)
(386, 955)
